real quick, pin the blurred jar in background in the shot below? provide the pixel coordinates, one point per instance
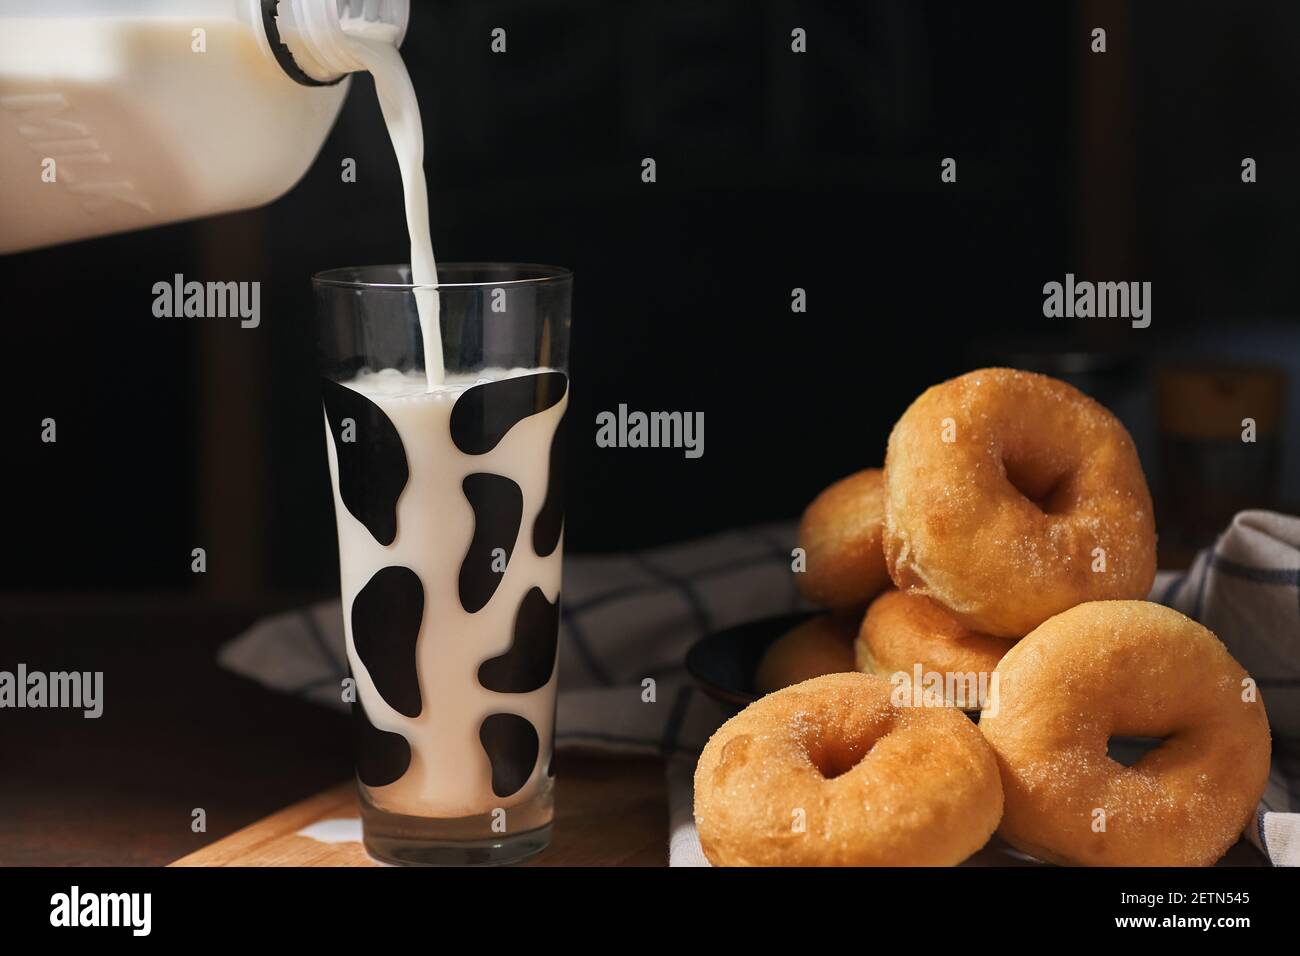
(1209, 468)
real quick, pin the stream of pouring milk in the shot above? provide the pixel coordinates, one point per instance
(374, 44)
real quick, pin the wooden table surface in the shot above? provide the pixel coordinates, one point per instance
(179, 734)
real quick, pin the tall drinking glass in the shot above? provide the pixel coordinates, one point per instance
(449, 497)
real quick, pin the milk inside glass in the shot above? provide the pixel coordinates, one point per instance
(449, 774)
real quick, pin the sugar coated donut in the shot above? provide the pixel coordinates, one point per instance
(840, 535)
(905, 635)
(1012, 496)
(820, 645)
(831, 773)
(1133, 669)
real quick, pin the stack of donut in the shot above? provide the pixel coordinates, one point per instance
(1014, 522)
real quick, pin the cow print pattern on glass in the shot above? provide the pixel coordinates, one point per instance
(386, 616)
(511, 744)
(371, 460)
(485, 413)
(498, 507)
(530, 661)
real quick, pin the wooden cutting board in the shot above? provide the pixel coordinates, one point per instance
(609, 812)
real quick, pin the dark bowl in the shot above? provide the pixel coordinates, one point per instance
(724, 662)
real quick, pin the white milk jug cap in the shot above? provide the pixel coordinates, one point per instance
(310, 38)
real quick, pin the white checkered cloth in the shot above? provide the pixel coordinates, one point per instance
(1246, 589)
(629, 617)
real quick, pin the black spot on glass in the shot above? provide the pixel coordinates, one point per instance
(510, 742)
(484, 414)
(550, 520)
(498, 510)
(382, 756)
(386, 617)
(372, 467)
(528, 664)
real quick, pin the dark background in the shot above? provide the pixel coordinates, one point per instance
(775, 171)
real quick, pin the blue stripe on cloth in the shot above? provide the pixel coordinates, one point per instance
(1172, 590)
(1259, 828)
(1200, 585)
(667, 669)
(682, 586)
(631, 590)
(582, 647)
(661, 577)
(1258, 575)
(781, 554)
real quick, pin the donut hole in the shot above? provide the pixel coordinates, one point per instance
(1045, 488)
(834, 758)
(1127, 751)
